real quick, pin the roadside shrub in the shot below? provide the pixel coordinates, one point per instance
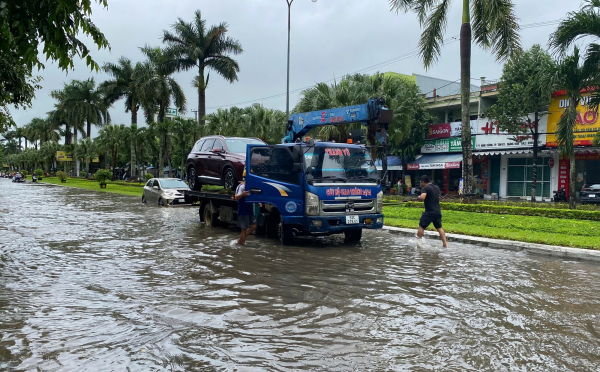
(39, 173)
(103, 175)
(61, 175)
(579, 214)
(148, 176)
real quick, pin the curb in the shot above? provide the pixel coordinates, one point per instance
(541, 249)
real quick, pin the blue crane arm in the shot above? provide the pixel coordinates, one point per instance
(371, 112)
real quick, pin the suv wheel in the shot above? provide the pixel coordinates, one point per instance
(229, 179)
(193, 180)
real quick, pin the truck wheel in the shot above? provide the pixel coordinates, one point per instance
(229, 179)
(286, 236)
(353, 235)
(210, 218)
(193, 180)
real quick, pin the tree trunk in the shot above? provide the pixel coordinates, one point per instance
(572, 179)
(89, 129)
(76, 157)
(133, 162)
(201, 96)
(160, 155)
(465, 92)
(535, 157)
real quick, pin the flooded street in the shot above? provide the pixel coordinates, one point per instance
(101, 282)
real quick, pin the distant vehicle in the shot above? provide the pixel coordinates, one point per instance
(164, 191)
(218, 160)
(590, 193)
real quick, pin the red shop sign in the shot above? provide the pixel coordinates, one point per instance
(551, 162)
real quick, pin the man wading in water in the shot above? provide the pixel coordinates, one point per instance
(246, 219)
(430, 194)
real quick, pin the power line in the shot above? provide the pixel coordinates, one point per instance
(414, 53)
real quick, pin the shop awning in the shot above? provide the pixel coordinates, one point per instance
(394, 163)
(436, 161)
(503, 152)
(585, 151)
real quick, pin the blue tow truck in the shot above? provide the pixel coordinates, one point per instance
(311, 187)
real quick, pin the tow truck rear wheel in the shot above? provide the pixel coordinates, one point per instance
(286, 236)
(353, 235)
(210, 218)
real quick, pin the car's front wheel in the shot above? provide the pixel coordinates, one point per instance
(229, 179)
(193, 180)
(144, 200)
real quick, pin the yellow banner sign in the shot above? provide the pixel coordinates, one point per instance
(95, 159)
(63, 156)
(5, 165)
(587, 124)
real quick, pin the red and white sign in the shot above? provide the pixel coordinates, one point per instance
(563, 175)
(551, 163)
(449, 165)
(447, 130)
(439, 131)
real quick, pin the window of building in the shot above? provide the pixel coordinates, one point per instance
(520, 177)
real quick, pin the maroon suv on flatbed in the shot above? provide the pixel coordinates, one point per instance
(218, 160)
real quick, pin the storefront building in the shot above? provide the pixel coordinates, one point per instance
(587, 158)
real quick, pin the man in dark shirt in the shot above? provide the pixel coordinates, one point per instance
(430, 194)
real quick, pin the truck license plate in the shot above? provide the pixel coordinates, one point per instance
(351, 220)
(592, 195)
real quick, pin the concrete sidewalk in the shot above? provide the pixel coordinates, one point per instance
(549, 250)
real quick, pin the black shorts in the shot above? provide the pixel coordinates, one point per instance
(429, 218)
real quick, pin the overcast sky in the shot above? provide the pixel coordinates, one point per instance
(330, 38)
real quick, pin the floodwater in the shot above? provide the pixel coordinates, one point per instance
(100, 282)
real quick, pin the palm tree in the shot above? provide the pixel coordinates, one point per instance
(83, 103)
(86, 150)
(111, 138)
(20, 133)
(158, 87)
(193, 46)
(576, 78)
(495, 27)
(576, 26)
(126, 83)
(162, 130)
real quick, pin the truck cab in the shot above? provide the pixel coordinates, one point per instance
(315, 188)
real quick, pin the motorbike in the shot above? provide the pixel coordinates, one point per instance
(559, 196)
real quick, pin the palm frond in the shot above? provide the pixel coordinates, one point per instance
(432, 37)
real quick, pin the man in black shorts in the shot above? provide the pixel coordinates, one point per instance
(430, 194)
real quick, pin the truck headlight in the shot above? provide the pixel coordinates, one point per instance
(380, 202)
(312, 204)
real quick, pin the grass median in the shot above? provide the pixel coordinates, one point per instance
(532, 229)
(133, 189)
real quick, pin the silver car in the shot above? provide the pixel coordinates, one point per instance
(164, 191)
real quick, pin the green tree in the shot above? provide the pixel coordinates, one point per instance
(86, 150)
(48, 153)
(526, 87)
(111, 138)
(160, 90)
(126, 83)
(579, 25)
(576, 78)
(494, 26)
(195, 46)
(55, 27)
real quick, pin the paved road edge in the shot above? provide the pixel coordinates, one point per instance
(548, 250)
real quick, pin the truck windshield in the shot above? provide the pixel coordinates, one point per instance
(339, 164)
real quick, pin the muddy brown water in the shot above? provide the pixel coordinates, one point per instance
(100, 282)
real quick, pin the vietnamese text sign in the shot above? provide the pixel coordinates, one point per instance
(63, 156)
(587, 121)
(490, 136)
(448, 165)
(447, 130)
(453, 144)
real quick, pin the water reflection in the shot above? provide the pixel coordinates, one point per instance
(101, 282)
